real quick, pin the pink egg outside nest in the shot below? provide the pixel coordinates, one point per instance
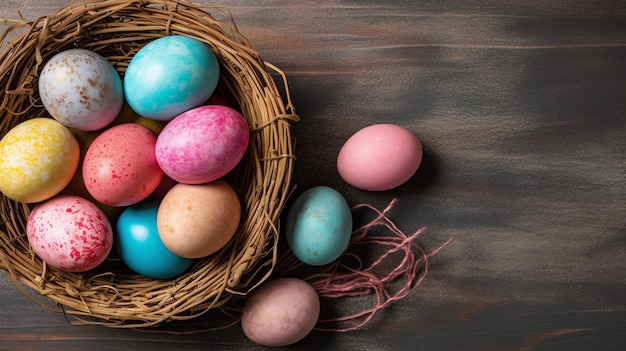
(379, 157)
(202, 144)
(70, 233)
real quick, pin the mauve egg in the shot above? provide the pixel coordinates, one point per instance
(379, 157)
(202, 144)
(70, 233)
(280, 312)
(120, 167)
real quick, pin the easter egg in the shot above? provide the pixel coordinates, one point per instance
(196, 220)
(120, 168)
(379, 157)
(170, 75)
(69, 233)
(77, 186)
(202, 144)
(318, 226)
(140, 247)
(164, 186)
(38, 158)
(81, 89)
(128, 115)
(217, 99)
(280, 312)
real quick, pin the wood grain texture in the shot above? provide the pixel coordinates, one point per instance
(521, 107)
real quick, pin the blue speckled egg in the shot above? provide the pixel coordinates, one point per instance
(139, 245)
(169, 76)
(319, 226)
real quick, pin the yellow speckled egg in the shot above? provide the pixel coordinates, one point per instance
(38, 158)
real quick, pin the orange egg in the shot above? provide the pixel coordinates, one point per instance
(198, 220)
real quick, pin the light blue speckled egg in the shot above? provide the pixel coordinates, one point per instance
(319, 226)
(169, 76)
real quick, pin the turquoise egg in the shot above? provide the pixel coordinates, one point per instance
(319, 226)
(169, 76)
(140, 247)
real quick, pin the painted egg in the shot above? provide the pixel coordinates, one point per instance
(379, 157)
(170, 75)
(77, 186)
(165, 185)
(217, 99)
(198, 220)
(319, 226)
(202, 144)
(140, 247)
(128, 115)
(81, 89)
(280, 312)
(38, 158)
(70, 233)
(120, 168)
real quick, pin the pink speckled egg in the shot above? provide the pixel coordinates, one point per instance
(120, 167)
(202, 144)
(379, 157)
(281, 312)
(69, 233)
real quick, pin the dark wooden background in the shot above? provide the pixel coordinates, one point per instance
(521, 107)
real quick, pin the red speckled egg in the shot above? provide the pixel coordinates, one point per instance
(202, 144)
(120, 167)
(70, 233)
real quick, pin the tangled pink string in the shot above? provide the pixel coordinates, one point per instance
(343, 278)
(349, 276)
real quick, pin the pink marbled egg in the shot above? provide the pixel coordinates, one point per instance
(70, 233)
(120, 167)
(202, 144)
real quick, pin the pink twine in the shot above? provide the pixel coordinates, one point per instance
(342, 279)
(349, 276)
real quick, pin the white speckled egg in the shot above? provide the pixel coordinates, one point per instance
(81, 89)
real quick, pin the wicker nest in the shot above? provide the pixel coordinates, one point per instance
(111, 294)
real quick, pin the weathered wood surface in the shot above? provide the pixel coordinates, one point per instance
(521, 107)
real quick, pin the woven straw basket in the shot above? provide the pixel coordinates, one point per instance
(111, 294)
